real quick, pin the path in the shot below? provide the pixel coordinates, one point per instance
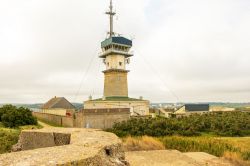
(45, 125)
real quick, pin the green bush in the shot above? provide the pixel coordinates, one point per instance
(221, 124)
(8, 137)
(12, 116)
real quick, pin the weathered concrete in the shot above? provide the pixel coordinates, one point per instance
(173, 158)
(207, 159)
(37, 139)
(87, 147)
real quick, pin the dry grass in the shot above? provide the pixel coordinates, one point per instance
(144, 143)
(236, 158)
(229, 148)
(240, 142)
(243, 143)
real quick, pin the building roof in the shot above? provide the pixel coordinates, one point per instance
(117, 40)
(117, 98)
(196, 107)
(58, 102)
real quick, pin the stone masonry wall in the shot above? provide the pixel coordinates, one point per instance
(101, 118)
(57, 120)
(115, 84)
(91, 118)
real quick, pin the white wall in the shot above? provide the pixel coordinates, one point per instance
(112, 62)
(140, 107)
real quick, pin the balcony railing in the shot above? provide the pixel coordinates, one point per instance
(115, 51)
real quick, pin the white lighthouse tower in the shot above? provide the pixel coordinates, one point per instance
(116, 55)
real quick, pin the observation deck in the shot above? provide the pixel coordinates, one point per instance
(116, 46)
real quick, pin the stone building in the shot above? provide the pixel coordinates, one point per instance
(116, 55)
(193, 108)
(58, 106)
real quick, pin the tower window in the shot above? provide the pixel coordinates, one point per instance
(120, 63)
(108, 63)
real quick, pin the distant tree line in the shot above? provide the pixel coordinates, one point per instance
(11, 116)
(220, 124)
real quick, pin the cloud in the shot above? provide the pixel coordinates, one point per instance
(184, 50)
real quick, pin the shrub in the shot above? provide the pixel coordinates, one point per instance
(221, 124)
(12, 116)
(8, 137)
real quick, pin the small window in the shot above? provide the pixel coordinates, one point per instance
(120, 63)
(108, 63)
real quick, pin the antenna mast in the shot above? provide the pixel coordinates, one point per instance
(111, 17)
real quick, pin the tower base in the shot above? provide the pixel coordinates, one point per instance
(115, 83)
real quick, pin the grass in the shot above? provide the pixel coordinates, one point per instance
(49, 123)
(144, 143)
(9, 137)
(209, 145)
(237, 150)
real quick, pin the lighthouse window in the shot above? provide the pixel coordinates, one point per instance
(120, 63)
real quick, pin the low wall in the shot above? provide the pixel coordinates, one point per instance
(101, 118)
(87, 118)
(57, 120)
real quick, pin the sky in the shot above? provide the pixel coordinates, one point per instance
(184, 51)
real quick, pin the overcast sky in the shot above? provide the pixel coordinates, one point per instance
(185, 50)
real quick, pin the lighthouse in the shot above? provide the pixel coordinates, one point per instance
(116, 53)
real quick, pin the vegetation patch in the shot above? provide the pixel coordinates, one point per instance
(8, 137)
(209, 145)
(219, 124)
(144, 143)
(234, 149)
(12, 121)
(12, 117)
(220, 134)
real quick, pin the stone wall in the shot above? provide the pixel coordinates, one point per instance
(57, 120)
(115, 84)
(101, 118)
(90, 118)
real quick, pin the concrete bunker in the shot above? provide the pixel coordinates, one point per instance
(29, 140)
(66, 146)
